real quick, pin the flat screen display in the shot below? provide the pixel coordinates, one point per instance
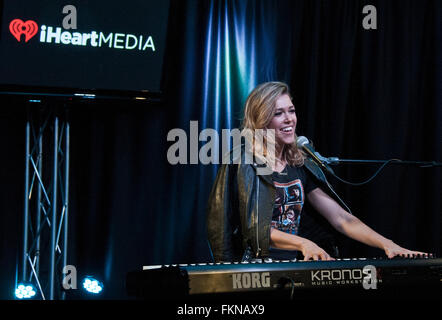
(81, 44)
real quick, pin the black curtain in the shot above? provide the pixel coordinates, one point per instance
(361, 94)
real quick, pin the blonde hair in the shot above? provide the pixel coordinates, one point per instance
(258, 113)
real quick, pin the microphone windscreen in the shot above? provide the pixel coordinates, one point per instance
(301, 141)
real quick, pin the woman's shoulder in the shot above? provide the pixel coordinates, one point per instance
(311, 168)
(240, 156)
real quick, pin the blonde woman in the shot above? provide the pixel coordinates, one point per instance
(248, 212)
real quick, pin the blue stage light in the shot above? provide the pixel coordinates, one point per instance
(92, 285)
(25, 291)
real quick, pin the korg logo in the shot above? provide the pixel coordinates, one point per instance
(18, 27)
(247, 280)
(57, 35)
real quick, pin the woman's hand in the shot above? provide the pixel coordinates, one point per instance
(287, 241)
(310, 250)
(392, 249)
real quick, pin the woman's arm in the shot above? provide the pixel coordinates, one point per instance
(222, 215)
(287, 241)
(352, 227)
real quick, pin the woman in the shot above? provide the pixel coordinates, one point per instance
(244, 220)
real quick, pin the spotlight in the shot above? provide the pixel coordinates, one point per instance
(92, 285)
(25, 291)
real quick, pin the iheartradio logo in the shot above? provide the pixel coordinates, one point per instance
(19, 27)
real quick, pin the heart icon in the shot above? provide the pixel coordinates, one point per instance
(28, 28)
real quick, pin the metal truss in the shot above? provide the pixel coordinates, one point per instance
(46, 200)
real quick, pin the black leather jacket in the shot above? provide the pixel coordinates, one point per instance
(240, 210)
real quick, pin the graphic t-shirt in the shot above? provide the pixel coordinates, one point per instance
(292, 186)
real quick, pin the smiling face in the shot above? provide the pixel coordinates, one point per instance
(284, 121)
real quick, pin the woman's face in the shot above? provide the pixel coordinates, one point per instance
(284, 121)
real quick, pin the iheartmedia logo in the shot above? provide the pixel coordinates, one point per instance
(19, 27)
(56, 35)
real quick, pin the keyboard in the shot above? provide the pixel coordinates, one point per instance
(268, 275)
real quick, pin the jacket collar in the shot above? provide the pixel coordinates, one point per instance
(266, 177)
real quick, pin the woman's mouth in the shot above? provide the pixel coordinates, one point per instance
(287, 130)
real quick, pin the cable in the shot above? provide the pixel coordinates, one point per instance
(324, 179)
(283, 281)
(368, 180)
(342, 201)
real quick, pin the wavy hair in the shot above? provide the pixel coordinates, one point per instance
(258, 113)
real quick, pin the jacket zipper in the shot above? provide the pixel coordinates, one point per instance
(258, 249)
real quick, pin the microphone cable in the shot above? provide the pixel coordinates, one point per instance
(369, 179)
(333, 190)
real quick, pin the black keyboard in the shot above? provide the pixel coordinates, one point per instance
(259, 275)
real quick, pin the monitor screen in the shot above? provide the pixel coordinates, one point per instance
(83, 44)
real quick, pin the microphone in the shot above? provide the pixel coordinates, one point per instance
(304, 144)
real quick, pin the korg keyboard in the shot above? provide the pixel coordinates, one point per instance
(259, 275)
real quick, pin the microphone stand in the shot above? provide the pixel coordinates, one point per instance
(422, 164)
(326, 162)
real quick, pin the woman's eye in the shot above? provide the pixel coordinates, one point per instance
(292, 110)
(278, 113)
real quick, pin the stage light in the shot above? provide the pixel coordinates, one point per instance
(92, 285)
(25, 291)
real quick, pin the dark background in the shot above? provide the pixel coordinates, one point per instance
(361, 94)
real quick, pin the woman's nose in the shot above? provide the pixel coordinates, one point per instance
(289, 117)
